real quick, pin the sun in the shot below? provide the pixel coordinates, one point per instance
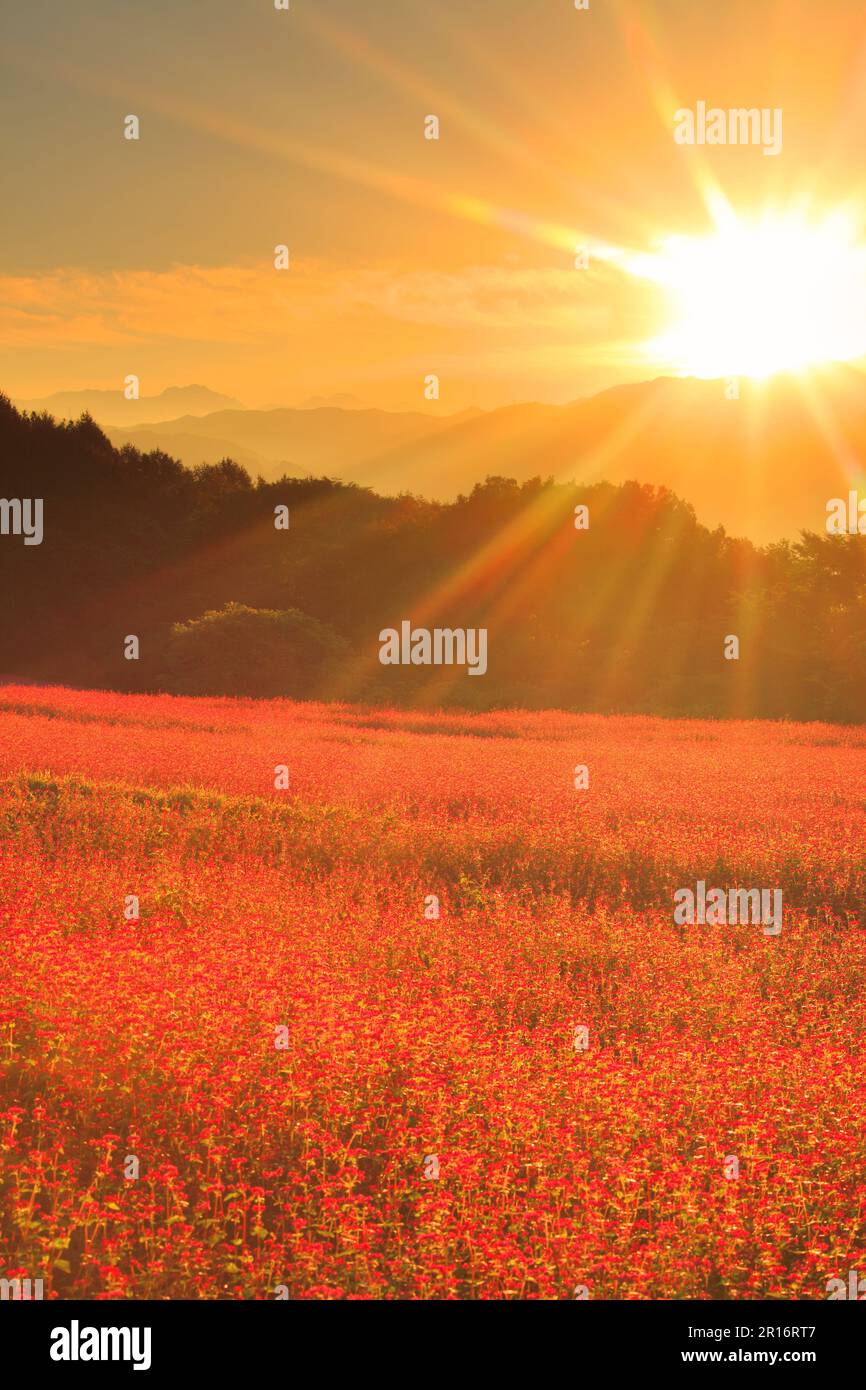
(778, 294)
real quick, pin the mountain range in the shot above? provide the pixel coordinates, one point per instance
(763, 464)
(112, 407)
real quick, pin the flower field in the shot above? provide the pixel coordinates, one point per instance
(240, 1092)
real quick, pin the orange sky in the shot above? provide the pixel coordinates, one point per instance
(408, 256)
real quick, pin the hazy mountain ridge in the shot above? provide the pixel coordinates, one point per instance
(350, 444)
(628, 610)
(763, 465)
(112, 407)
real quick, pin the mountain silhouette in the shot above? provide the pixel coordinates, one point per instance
(354, 444)
(112, 407)
(629, 610)
(763, 465)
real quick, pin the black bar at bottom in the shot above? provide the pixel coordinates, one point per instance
(63, 1339)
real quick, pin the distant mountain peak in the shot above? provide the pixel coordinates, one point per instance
(110, 406)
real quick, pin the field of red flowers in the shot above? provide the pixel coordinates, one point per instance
(287, 1076)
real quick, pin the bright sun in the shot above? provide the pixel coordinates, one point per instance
(780, 294)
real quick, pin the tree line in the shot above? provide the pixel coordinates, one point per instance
(629, 610)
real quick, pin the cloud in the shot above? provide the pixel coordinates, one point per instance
(256, 304)
(493, 297)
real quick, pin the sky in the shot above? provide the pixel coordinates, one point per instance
(408, 257)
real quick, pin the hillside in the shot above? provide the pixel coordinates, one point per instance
(630, 613)
(762, 466)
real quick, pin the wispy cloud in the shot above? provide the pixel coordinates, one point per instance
(246, 304)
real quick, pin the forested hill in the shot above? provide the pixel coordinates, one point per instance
(631, 612)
